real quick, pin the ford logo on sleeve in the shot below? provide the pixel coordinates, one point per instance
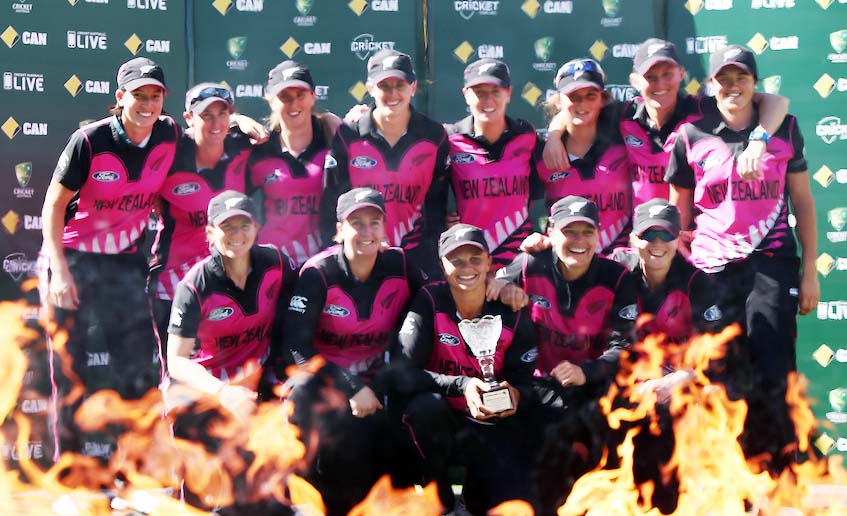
(106, 176)
(336, 311)
(219, 314)
(186, 188)
(462, 159)
(632, 141)
(712, 314)
(448, 340)
(363, 162)
(558, 176)
(539, 301)
(530, 356)
(629, 312)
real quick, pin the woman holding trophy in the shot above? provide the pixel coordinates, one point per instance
(469, 366)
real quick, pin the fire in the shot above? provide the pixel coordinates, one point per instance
(385, 500)
(714, 476)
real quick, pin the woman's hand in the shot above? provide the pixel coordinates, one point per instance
(568, 374)
(555, 155)
(257, 132)
(535, 243)
(810, 292)
(364, 403)
(239, 400)
(451, 219)
(62, 291)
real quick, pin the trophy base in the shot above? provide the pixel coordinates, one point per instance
(498, 400)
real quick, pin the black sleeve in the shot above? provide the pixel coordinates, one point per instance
(513, 273)
(679, 172)
(797, 163)
(74, 162)
(517, 367)
(279, 358)
(435, 203)
(414, 348)
(536, 185)
(706, 317)
(185, 312)
(621, 331)
(336, 182)
(301, 319)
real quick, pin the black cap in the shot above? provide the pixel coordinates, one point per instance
(289, 74)
(653, 51)
(580, 73)
(356, 198)
(733, 55)
(229, 204)
(573, 208)
(656, 212)
(487, 71)
(205, 94)
(390, 63)
(139, 72)
(459, 235)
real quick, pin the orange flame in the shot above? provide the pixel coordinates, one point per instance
(385, 500)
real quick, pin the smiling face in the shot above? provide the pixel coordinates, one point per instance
(583, 105)
(211, 125)
(362, 232)
(734, 88)
(466, 267)
(654, 248)
(294, 107)
(141, 107)
(393, 95)
(575, 245)
(233, 237)
(659, 86)
(487, 102)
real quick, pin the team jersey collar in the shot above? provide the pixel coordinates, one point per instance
(465, 127)
(377, 273)
(680, 111)
(216, 266)
(119, 133)
(367, 126)
(318, 141)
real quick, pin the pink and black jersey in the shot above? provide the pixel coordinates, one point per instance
(181, 240)
(587, 321)
(411, 176)
(234, 328)
(494, 183)
(603, 176)
(649, 147)
(735, 217)
(350, 323)
(430, 341)
(291, 189)
(117, 183)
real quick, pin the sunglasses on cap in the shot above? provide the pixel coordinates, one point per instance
(580, 65)
(662, 234)
(213, 92)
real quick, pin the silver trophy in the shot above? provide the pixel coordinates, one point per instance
(481, 336)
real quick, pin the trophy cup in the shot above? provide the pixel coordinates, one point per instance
(481, 336)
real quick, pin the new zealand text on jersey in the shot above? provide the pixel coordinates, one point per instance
(370, 339)
(610, 201)
(253, 334)
(198, 218)
(744, 191)
(132, 202)
(563, 340)
(399, 193)
(454, 368)
(655, 174)
(297, 205)
(493, 187)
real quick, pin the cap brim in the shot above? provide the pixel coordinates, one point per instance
(733, 63)
(388, 74)
(217, 221)
(203, 104)
(653, 61)
(277, 88)
(640, 228)
(570, 219)
(346, 213)
(442, 252)
(578, 85)
(486, 79)
(144, 81)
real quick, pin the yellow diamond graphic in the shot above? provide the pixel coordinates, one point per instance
(825, 3)
(358, 6)
(222, 6)
(530, 7)
(73, 85)
(11, 221)
(225, 85)
(133, 44)
(290, 47)
(598, 50)
(83, 123)
(694, 6)
(73, 2)
(824, 176)
(823, 355)
(825, 444)
(531, 93)
(824, 85)
(824, 264)
(464, 51)
(9, 36)
(693, 87)
(11, 127)
(758, 43)
(358, 91)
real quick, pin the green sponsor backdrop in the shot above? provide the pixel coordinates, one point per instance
(58, 60)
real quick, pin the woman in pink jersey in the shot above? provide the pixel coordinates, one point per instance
(95, 212)
(743, 237)
(227, 310)
(288, 168)
(209, 160)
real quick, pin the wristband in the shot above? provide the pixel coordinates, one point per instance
(759, 134)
